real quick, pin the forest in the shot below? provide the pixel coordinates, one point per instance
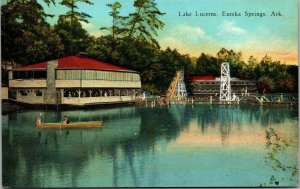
(131, 42)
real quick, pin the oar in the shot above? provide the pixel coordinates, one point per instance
(60, 127)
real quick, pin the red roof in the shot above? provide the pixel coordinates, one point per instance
(75, 62)
(202, 78)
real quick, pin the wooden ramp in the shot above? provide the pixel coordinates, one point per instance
(259, 99)
(172, 88)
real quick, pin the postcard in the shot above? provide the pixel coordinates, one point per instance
(149, 93)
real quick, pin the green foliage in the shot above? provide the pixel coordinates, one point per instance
(117, 28)
(118, 21)
(38, 48)
(157, 68)
(207, 65)
(73, 36)
(144, 22)
(270, 75)
(131, 43)
(265, 84)
(170, 61)
(100, 48)
(237, 65)
(26, 36)
(285, 83)
(74, 15)
(292, 70)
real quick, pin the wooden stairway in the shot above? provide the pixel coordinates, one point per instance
(172, 88)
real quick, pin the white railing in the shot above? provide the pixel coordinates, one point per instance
(96, 100)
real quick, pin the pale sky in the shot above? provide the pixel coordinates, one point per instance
(276, 36)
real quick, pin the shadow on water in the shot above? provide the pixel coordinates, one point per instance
(28, 152)
(128, 137)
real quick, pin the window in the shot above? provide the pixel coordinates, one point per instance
(38, 93)
(23, 92)
(15, 75)
(29, 75)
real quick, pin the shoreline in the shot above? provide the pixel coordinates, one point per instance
(11, 106)
(8, 107)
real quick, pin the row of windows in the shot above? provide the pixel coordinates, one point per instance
(96, 75)
(84, 92)
(218, 90)
(218, 83)
(26, 92)
(77, 75)
(29, 75)
(218, 87)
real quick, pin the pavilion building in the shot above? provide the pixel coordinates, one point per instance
(73, 80)
(210, 85)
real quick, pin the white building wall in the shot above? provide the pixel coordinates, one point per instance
(95, 100)
(27, 83)
(117, 80)
(31, 97)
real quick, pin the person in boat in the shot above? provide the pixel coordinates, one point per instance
(39, 119)
(66, 120)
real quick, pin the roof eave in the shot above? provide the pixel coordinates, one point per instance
(132, 71)
(44, 69)
(28, 69)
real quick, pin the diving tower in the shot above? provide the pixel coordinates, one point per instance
(225, 88)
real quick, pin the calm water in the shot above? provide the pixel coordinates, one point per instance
(180, 145)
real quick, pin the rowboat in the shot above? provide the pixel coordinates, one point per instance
(70, 125)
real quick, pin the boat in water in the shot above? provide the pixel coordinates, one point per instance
(89, 124)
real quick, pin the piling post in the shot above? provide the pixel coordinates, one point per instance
(261, 101)
(210, 99)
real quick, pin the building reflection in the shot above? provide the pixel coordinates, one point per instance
(127, 144)
(214, 124)
(33, 154)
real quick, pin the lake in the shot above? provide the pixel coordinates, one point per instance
(178, 145)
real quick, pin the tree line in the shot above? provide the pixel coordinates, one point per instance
(270, 76)
(131, 42)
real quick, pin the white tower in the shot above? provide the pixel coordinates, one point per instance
(180, 91)
(225, 89)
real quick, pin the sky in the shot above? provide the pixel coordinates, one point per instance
(276, 36)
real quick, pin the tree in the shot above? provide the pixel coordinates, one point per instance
(144, 22)
(285, 83)
(265, 84)
(169, 62)
(252, 60)
(20, 20)
(207, 65)
(100, 48)
(117, 26)
(237, 65)
(266, 59)
(42, 45)
(250, 68)
(292, 70)
(69, 26)
(74, 37)
(118, 21)
(73, 14)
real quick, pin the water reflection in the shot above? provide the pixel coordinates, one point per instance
(133, 146)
